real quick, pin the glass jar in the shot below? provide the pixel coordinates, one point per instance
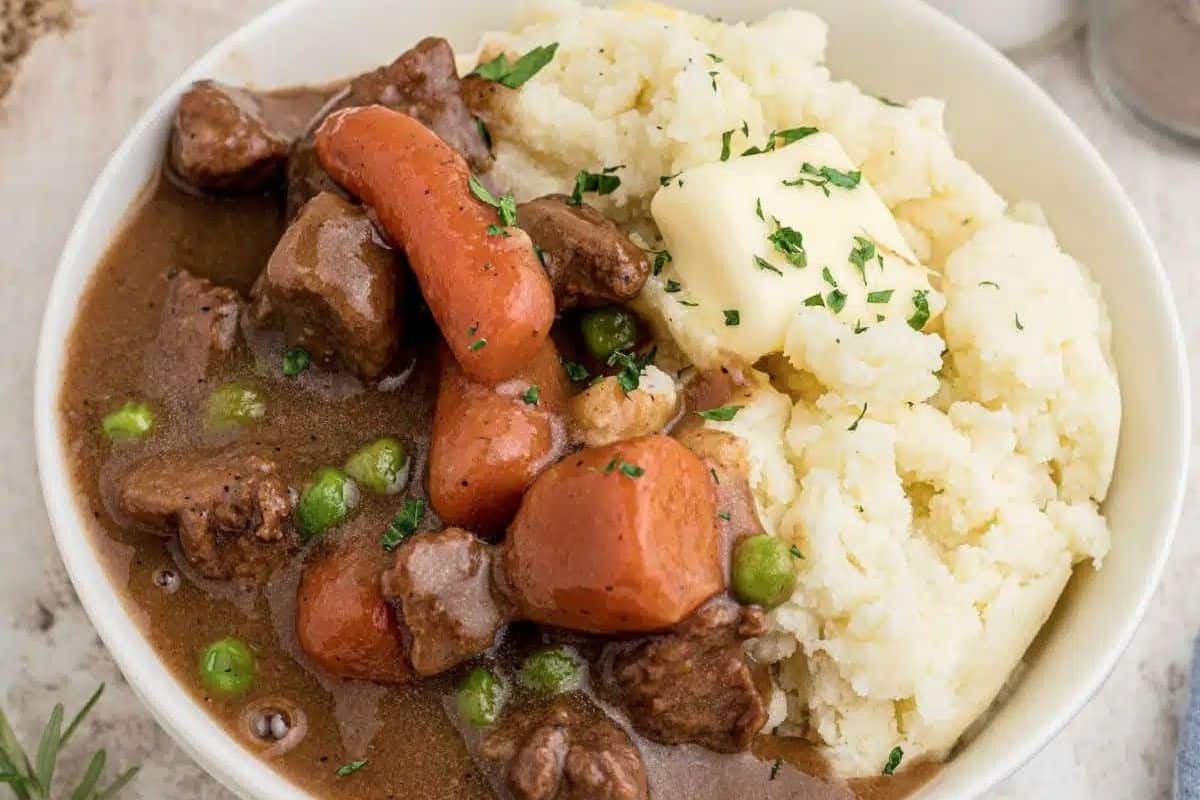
(1145, 57)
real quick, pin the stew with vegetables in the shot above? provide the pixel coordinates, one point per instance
(390, 473)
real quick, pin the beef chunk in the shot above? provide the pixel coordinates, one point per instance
(227, 507)
(223, 142)
(443, 583)
(331, 285)
(423, 83)
(197, 333)
(694, 684)
(589, 259)
(564, 753)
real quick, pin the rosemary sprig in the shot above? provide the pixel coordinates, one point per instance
(33, 780)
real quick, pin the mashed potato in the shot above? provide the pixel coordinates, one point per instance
(942, 482)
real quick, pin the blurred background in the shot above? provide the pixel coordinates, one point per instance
(75, 75)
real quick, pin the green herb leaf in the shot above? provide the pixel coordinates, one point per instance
(758, 212)
(713, 75)
(404, 524)
(531, 395)
(484, 133)
(762, 263)
(882, 296)
(631, 366)
(921, 309)
(992, 284)
(824, 177)
(893, 761)
(733, 317)
(785, 137)
(790, 242)
(1017, 320)
(725, 515)
(83, 712)
(836, 300)
(664, 180)
(603, 182)
(689, 303)
(351, 768)
(627, 469)
(91, 777)
(862, 252)
(828, 276)
(861, 414)
(496, 230)
(888, 102)
(745, 129)
(726, 137)
(477, 345)
(722, 414)
(814, 300)
(672, 286)
(47, 752)
(576, 372)
(295, 361)
(514, 75)
(117, 785)
(716, 59)
(795, 551)
(506, 206)
(661, 259)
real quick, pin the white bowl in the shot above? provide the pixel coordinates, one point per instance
(1001, 122)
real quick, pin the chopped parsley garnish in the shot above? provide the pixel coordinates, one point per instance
(882, 296)
(1017, 320)
(828, 276)
(758, 212)
(921, 309)
(689, 303)
(862, 252)
(484, 133)
(631, 366)
(626, 469)
(762, 263)
(471, 330)
(602, 182)
(733, 317)
(531, 395)
(663, 180)
(795, 551)
(506, 205)
(824, 177)
(888, 101)
(515, 74)
(726, 137)
(722, 414)
(672, 286)
(775, 767)
(295, 361)
(477, 345)
(725, 515)
(836, 300)
(785, 137)
(861, 414)
(576, 372)
(716, 59)
(789, 242)
(893, 761)
(814, 300)
(404, 524)
(858, 326)
(713, 472)
(992, 284)
(661, 259)
(496, 230)
(351, 768)
(713, 75)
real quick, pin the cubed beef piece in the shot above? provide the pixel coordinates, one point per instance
(695, 684)
(566, 753)
(223, 142)
(589, 259)
(443, 584)
(331, 285)
(228, 507)
(423, 83)
(197, 334)
(343, 621)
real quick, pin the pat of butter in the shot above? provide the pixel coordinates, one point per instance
(710, 224)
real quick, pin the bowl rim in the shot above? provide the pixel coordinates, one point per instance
(161, 691)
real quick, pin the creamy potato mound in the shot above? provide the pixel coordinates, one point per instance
(941, 471)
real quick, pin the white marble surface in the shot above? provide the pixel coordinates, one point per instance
(74, 99)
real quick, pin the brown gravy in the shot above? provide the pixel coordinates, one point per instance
(412, 746)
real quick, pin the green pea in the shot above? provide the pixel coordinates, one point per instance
(480, 697)
(607, 330)
(763, 571)
(551, 671)
(227, 666)
(380, 467)
(295, 361)
(326, 502)
(131, 421)
(235, 404)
